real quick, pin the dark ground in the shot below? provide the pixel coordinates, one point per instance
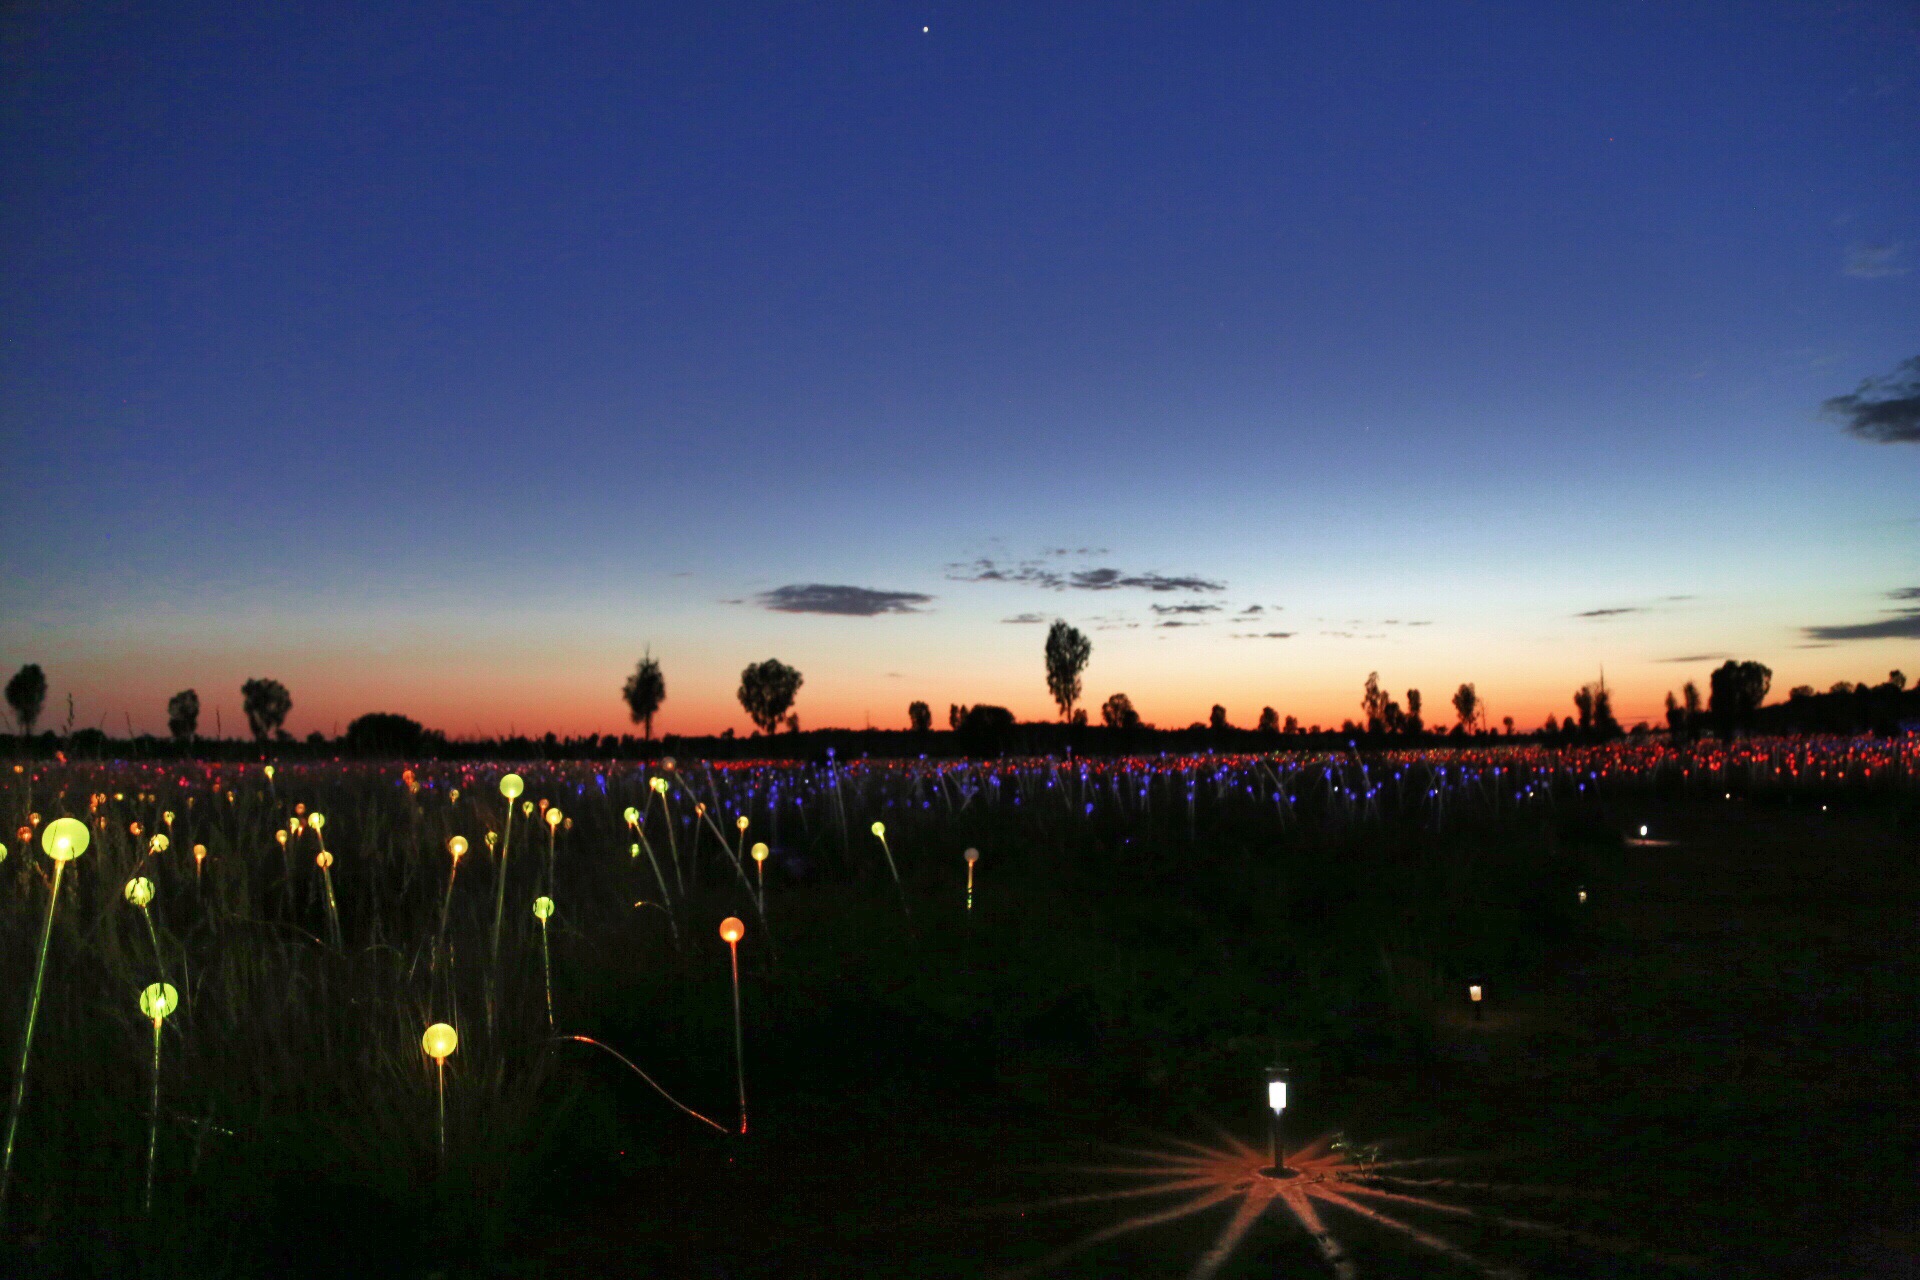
(1726, 1057)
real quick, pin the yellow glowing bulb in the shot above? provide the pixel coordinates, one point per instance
(159, 844)
(457, 847)
(159, 1000)
(493, 838)
(526, 808)
(316, 820)
(453, 796)
(1473, 992)
(659, 785)
(740, 823)
(760, 852)
(199, 853)
(3, 853)
(281, 836)
(65, 839)
(731, 930)
(440, 1041)
(269, 773)
(973, 856)
(880, 829)
(542, 908)
(553, 817)
(139, 891)
(167, 817)
(633, 851)
(511, 786)
(632, 815)
(323, 859)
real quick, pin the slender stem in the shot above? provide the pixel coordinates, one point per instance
(158, 960)
(153, 1121)
(445, 904)
(333, 909)
(440, 1069)
(546, 963)
(26, 1039)
(739, 1049)
(499, 915)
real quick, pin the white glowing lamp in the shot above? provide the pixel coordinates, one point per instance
(1277, 1095)
(1643, 831)
(1473, 992)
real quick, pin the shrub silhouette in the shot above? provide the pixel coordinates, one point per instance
(27, 694)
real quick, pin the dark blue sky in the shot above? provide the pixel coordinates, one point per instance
(437, 357)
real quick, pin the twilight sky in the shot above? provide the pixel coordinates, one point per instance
(438, 358)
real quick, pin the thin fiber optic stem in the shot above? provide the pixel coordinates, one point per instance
(739, 1050)
(153, 1122)
(26, 1039)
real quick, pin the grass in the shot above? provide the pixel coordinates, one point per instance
(1120, 969)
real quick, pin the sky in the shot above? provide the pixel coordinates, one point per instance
(442, 359)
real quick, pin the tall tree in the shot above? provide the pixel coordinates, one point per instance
(266, 703)
(1375, 700)
(919, 716)
(1736, 690)
(1413, 722)
(645, 690)
(1269, 720)
(183, 715)
(1466, 706)
(766, 692)
(1067, 654)
(27, 694)
(1217, 718)
(1117, 713)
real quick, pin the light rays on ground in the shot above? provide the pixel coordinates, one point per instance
(1326, 1174)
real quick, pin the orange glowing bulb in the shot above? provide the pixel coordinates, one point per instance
(199, 855)
(731, 930)
(281, 836)
(323, 859)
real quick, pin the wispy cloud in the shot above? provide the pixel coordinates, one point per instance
(1610, 613)
(1697, 657)
(1035, 573)
(851, 602)
(1263, 635)
(1874, 261)
(1882, 410)
(1023, 619)
(1189, 607)
(1900, 624)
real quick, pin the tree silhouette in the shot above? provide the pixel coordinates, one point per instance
(1217, 718)
(1117, 713)
(1466, 706)
(1413, 722)
(645, 690)
(383, 733)
(1067, 654)
(766, 692)
(1269, 720)
(1735, 692)
(1375, 701)
(183, 715)
(919, 716)
(955, 714)
(27, 694)
(266, 703)
(1508, 722)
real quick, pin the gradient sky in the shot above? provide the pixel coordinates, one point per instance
(438, 358)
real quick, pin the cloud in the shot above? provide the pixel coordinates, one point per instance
(1175, 622)
(1903, 625)
(1251, 610)
(1882, 410)
(1698, 657)
(1109, 579)
(1904, 593)
(1189, 607)
(1609, 613)
(1874, 261)
(1035, 574)
(1023, 619)
(849, 602)
(1263, 635)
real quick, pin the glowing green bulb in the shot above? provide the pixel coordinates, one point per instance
(139, 891)
(512, 785)
(880, 830)
(542, 908)
(159, 1000)
(65, 839)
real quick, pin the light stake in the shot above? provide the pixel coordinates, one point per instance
(760, 868)
(510, 787)
(63, 840)
(440, 1041)
(732, 930)
(973, 856)
(157, 1001)
(542, 909)
(1276, 1136)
